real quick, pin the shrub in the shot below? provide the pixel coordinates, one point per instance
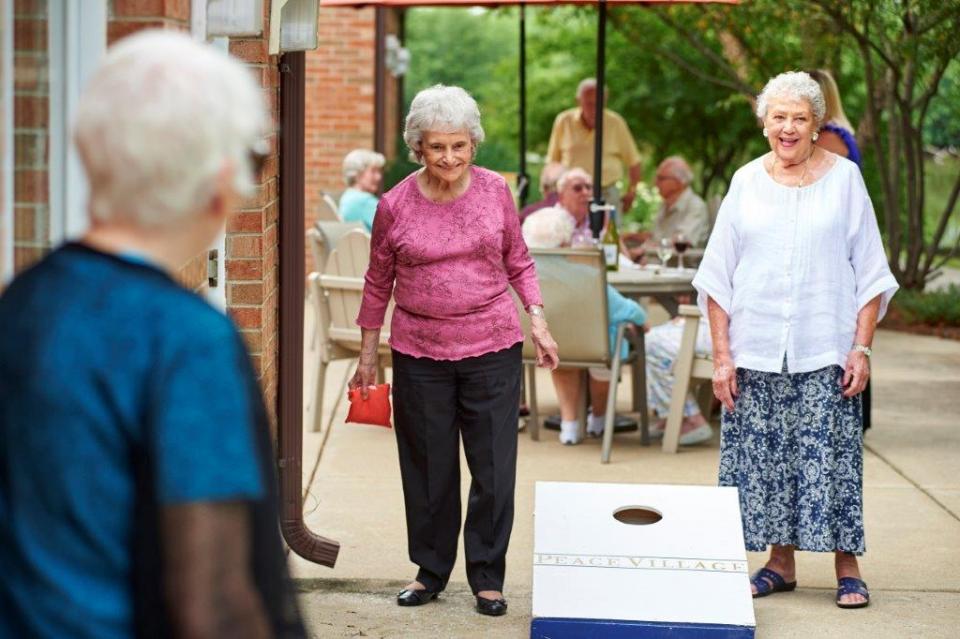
(935, 308)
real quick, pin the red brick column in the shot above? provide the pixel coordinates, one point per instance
(31, 135)
(340, 100)
(129, 16)
(252, 250)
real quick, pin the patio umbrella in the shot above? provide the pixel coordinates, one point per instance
(597, 205)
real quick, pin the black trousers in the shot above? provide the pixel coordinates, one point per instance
(435, 403)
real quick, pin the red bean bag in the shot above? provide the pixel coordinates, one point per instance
(375, 410)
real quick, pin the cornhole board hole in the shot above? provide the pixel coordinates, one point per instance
(639, 560)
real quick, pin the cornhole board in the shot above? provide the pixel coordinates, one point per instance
(595, 576)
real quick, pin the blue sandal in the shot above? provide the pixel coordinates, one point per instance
(768, 582)
(852, 586)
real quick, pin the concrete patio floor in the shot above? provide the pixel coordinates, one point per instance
(912, 503)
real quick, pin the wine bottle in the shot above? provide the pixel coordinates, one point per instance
(611, 243)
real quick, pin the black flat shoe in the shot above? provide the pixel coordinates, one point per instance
(491, 607)
(407, 597)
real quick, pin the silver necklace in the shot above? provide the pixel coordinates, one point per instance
(803, 176)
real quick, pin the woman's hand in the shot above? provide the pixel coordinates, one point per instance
(855, 374)
(725, 381)
(543, 341)
(365, 375)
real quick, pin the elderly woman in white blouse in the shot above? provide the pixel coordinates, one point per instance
(794, 279)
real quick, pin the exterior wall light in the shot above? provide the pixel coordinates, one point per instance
(293, 25)
(234, 18)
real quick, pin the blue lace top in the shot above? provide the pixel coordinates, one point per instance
(853, 151)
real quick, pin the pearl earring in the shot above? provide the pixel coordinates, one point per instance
(815, 136)
(764, 131)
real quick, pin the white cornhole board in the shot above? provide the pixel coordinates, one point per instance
(683, 576)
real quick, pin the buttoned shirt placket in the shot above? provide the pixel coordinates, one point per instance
(788, 266)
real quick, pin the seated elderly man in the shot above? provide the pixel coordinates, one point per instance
(683, 211)
(552, 228)
(363, 173)
(574, 190)
(548, 189)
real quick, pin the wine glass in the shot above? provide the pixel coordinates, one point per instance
(681, 243)
(665, 251)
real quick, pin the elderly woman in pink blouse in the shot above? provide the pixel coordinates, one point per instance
(447, 245)
(794, 279)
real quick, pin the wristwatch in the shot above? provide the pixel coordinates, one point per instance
(863, 348)
(536, 311)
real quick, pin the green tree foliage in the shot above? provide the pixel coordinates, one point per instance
(684, 77)
(476, 50)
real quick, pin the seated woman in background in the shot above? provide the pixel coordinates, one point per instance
(662, 344)
(363, 172)
(554, 227)
(836, 131)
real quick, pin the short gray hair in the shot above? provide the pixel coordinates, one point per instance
(161, 117)
(676, 166)
(445, 109)
(569, 175)
(549, 177)
(794, 85)
(588, 84)
(359, 160)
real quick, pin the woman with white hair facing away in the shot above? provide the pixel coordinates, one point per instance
(554, 228)
(794, 279)
(138, 496)
(363, 173)
(446, 244)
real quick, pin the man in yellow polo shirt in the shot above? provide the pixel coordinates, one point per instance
(571, 144)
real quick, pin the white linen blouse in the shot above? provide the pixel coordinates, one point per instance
(792, 267)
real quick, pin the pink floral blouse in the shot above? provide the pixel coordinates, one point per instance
(448, 266)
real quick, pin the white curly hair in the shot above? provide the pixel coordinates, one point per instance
(159, 120)
(793, 85)
(548, 228)
(445, 109)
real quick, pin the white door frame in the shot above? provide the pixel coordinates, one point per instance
(217, 255)
(6, 143)
(77, 39)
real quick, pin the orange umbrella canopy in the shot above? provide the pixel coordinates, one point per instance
(478, 3)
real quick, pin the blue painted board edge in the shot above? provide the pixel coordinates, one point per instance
(559, 628)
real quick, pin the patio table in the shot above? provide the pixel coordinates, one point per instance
(662, 284)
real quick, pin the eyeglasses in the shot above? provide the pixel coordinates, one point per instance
(257, 157)
(581, 186)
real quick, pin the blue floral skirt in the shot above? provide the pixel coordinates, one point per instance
(793, 447)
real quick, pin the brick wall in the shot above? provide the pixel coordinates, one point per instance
(252, 235)
(339, 100)
(31, 91)
(130, 16)
(252, 238)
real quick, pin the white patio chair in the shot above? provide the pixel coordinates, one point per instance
(328, 208)
(336, 295)
(323, 237)
(688, 368)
